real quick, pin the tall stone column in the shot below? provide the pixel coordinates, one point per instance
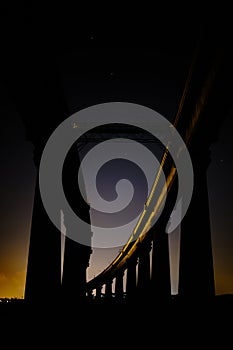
(143, 285)
(76, 254)
(207, 103)
(41, 104)
(131, 279)
(160, 277)
(43, 278)
(196, 274)
(108, 289)
(98, 292)
(119, 287)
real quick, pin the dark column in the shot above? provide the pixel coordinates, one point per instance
(35, 88)
(143, 284)
(119, 288)
(98, 292)
(76, 261)
(160, 277)
(211, 104)
(131, 284)
(90, 294)
(76, 254)
(108, 290)
(43, 279)
(40, 103)
(196, 275)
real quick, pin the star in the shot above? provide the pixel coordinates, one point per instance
(75, 125)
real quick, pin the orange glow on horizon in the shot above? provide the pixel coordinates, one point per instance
(12, 285)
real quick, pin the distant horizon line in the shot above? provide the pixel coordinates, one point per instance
(172, 295)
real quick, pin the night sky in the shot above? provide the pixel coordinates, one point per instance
(108, 66)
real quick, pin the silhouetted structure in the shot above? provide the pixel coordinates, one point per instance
(208, 98)
(39, 100)
(205, 101)
(35, 81)
(76, 255)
